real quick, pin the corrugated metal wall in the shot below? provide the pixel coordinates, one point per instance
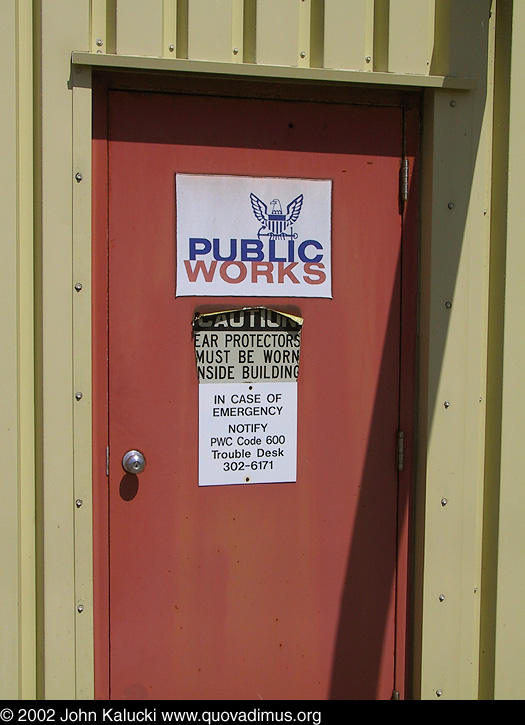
(17, 511)
(399, 36)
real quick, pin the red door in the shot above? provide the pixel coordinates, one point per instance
(268, 591)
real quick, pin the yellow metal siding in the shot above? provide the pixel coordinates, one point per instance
(277, 32)
(509, 628)
(410, 36)
(210, 28)
(139, 27)
(348, 34)
(82, 411)
(398, 36)
(9, 614)
(55, 393)
(455, 252)
(17, 529)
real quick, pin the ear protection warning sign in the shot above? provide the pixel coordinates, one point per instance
(247, 364)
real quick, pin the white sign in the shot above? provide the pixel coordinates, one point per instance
(247, 433)
(249, 237)
(247, 364)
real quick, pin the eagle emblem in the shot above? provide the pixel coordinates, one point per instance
(275, 224)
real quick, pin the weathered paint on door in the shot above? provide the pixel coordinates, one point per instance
(269, 591)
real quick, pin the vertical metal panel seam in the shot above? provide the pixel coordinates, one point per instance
(9, 383)
(59, 28)
(27, 604)
(82, 449)
(510, 589)
(498, 220)
(169, 28)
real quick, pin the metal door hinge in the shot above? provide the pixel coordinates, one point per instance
(395, 695)
(400, 450)
(107, 460)
(404, 180)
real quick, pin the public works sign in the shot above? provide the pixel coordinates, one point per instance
(253, 237)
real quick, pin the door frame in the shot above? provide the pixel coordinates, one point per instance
(410, 102)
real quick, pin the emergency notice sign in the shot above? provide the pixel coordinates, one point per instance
(253, 236)
(247, 365)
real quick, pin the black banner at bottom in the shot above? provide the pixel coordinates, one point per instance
(206, 713)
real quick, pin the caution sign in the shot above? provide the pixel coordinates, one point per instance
(247, 364)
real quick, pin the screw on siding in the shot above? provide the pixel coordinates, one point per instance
(303, 54)
(368, 58)
(447, 404)
(444, 501)
(441, 597)
(78, 503)
(439, 693)
(453, 104)
(99, 42)
(448, 305)
(78, 286)
(171, 47)
(450, 204)
(78, 177)
(235, 51)
(78, 396)
(80, 608)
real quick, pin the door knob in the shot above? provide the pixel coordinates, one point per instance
(133, 462)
